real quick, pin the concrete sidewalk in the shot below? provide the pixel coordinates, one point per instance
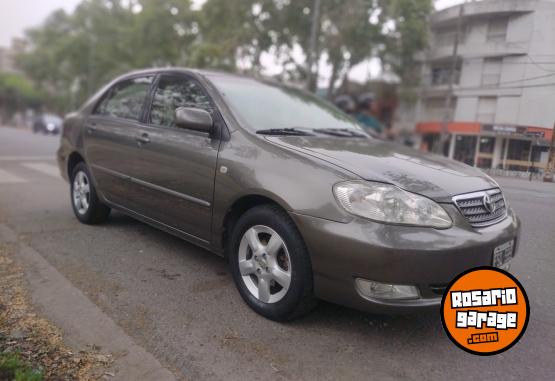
(83, 324)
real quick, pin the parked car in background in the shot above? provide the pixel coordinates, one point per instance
(303, 203)
(47, 124)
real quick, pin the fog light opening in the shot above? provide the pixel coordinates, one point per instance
(386, 291)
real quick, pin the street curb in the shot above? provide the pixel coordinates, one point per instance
(82, 322)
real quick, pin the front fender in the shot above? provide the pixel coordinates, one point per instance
(250, 165)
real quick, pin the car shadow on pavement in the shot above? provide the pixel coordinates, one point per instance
(325, 316)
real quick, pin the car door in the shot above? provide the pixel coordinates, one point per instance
(112, 140)
(178, 164)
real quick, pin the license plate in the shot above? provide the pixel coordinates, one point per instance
(502, 254)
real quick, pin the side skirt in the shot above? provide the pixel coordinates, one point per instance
(164, 227)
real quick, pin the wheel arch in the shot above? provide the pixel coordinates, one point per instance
(239, 207)
(73, 159)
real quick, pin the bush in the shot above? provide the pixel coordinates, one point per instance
(12, 367)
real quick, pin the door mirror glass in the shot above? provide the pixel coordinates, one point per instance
(193, 119)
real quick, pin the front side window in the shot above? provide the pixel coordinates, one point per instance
(125, 99)
(173, 92)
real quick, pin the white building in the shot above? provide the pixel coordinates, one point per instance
(7, 61)
(503, 108)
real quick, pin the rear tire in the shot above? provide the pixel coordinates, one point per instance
(271, 265)
(84, 200)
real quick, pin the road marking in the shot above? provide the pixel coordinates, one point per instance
(48, 169)
(7, 178)
(26, 158)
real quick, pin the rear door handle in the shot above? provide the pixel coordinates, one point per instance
(143, 139)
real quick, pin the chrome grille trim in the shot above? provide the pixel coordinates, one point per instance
(472, 207)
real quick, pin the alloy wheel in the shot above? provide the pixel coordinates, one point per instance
(264, 264)
(81, 193)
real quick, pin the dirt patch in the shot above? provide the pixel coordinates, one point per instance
(33, 340)
(258, 351)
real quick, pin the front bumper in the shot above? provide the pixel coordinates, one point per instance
(423, 257)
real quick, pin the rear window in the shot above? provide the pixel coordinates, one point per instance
(125, 99)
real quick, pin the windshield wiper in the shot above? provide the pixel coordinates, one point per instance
(341, 132)
(284, 131)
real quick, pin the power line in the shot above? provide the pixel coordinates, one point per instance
(457, 89)
(527, 79)
(539, 66)
(509, 62)
(523, 86)
(494, 86)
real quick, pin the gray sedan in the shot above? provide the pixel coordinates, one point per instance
(303, 203)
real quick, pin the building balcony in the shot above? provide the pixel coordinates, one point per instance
(432, 91)
(484, 8)
(487, 91)
(478, 50)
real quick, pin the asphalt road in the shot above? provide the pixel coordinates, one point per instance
(179, 302)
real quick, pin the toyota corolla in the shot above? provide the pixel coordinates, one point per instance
(300, 200)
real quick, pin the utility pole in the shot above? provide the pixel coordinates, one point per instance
(91, 57)
(311, 54)
(448, 115)
(550, 169)
(533, 144)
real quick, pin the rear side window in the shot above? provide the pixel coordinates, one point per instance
(173, 92)
(125, 99)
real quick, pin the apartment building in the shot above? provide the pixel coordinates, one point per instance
(503, 107)
(6, 61)
(7, 56)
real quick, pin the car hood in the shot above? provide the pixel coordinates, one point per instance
(430, 175)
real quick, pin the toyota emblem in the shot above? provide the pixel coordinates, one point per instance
(488, 204)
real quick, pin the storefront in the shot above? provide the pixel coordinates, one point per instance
(488, 146)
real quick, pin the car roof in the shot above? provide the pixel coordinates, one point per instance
(184, 70)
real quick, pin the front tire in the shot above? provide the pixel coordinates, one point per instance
(270, 264)
(86, 206)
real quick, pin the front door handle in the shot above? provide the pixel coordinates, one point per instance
(143, 139)
(90, 127)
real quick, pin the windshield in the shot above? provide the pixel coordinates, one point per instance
(264, 106)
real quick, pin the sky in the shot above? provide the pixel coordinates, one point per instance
(18, 15)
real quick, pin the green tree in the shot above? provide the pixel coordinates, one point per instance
(233, 34)
(351, 36)
(161, 34)
(347, 35)
(72, 55)
(352, 31)
(408, 35)
(17, 94)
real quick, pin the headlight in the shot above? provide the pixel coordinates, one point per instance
(389, 204)
(50, 126)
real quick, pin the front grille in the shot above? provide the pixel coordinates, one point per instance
(474, 206)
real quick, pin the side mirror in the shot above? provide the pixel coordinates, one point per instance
(193, 119)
